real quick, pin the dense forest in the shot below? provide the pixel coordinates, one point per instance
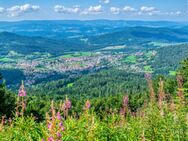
(104, 105)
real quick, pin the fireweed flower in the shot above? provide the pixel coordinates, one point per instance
(49, 126)
(2, 123)
(58, 116)
(124, 108)
(172, 106)
(21, 101)
(60, 124)
(125, 101)
(50, 139)
(66, 107)
(87, 105)
(148, 76)
(10, 121)
(180, 87)
(161, 95)
(150, 85)
(62, 129)
(122, 111)
(54, 124)
(22, 92)
(67, 103)
(59, 135)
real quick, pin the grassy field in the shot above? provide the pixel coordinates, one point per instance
(77, 54)
(148, 69)
(70, 85)
(6, 60)
(130, 59)
(114, 47)
(172, 73)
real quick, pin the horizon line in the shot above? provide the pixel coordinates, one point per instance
(139, 20)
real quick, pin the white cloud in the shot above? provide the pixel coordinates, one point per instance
(129, 9)
(115, 10)
(144, 10)
(18, 10)
(67, 10)
(105, 1)
(178, 13)
(147, 9)
(92, 10)
(95, 9)
(77, 10)
(2, 10)
(173, 13)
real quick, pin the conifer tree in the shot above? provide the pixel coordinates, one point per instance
(7, 100)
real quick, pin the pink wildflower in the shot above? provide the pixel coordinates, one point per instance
(59, 134)
(67, 104)
(180, 87)
(87, 104)
(49, 126)
(60, 124)
(10, 121)
(62, 129)
(50, 139)
(122, 111)
(150, 85)
(54, 124)
(58, 116)
(148, 76)
(22, 92)
(125, 101)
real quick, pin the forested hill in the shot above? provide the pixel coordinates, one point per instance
(27, 45)
(140, 35)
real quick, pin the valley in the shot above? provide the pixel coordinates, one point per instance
(84, 47)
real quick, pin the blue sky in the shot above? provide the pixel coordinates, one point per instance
(175, 10)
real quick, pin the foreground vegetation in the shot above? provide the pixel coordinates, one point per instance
(158, 114)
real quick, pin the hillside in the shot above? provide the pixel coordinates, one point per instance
(139, 35)
(28, 45)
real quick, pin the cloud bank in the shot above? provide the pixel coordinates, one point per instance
(19, 10)
(67, 10)
(77, 10)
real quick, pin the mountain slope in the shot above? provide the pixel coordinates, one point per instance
(27, 45)
(139, 35)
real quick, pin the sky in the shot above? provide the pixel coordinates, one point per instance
(170, 10)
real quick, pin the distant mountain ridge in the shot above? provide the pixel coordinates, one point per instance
(60, 29)
(139, 35)
(84, 39)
